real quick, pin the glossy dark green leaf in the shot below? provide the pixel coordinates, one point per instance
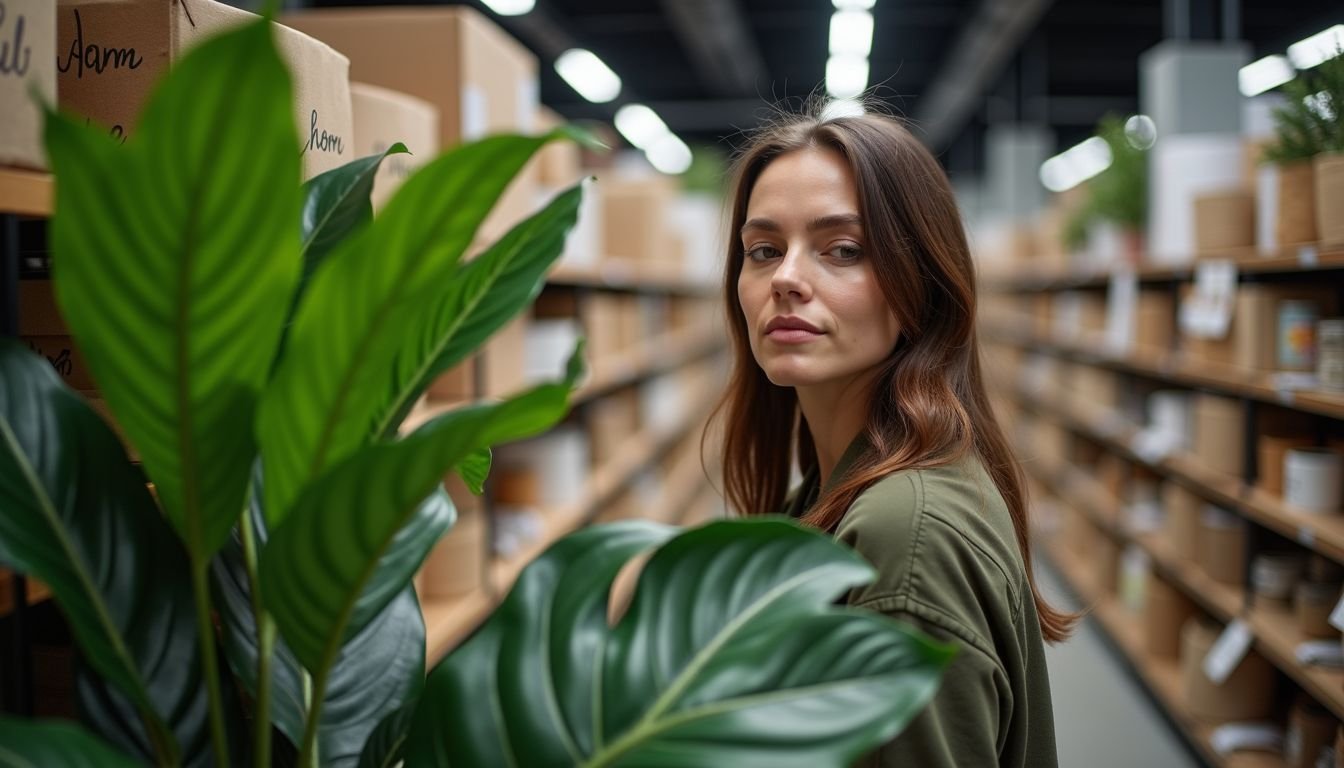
(378, 669)
(474, 470)
(765, 673)
(336, 204)
(358, 534)
(487, 292)
(386, 744)
(175, 257)
(331, 387)
(75, 513)
(547, 634)
(54, 744)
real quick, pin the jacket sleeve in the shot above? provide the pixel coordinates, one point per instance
(963, 726)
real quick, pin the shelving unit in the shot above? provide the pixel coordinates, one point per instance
(1161, 677)
(1098, 424)
(26, 193)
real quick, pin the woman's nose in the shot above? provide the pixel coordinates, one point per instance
(790, 278)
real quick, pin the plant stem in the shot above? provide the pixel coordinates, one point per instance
(314, 691)
(265, 649)
(206, 630)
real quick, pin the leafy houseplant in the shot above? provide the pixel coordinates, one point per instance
(262, 369)
(1306, 151)
(1118, 195)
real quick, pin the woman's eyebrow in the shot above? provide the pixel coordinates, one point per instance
(822, 222)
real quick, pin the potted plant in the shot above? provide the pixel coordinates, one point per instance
(259, 345)
(1303, 127)
(1119, 194)
(1328, 165)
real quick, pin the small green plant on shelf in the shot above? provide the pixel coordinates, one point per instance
(1309, 121)
(1119, 194)
(260, 343)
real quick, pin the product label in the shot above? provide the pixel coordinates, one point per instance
(320, 140)
(95, 56)
(1227, 653)
(15, 54)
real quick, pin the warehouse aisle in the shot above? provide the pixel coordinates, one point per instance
(1103, 718)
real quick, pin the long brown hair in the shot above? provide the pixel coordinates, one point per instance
(929, 406)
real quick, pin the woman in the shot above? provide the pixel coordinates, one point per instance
(851, 304)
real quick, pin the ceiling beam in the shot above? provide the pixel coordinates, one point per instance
(977, 58)
(719, 44)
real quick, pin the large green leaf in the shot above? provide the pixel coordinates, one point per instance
(332, 385)
(361, 531)
(175, 259)
(554, 625)
(487, 292)
(336, 204)
(386, 745)
(75, 513)
(378, 669)
(49, 744)
(731, 653)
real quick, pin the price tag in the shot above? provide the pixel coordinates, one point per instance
(1337, 615)
(1228, 651)
(1306, 538)
(1239, 737)
(1307, 256)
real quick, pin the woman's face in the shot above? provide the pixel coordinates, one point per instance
(813, 309)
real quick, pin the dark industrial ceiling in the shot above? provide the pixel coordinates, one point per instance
(710, 68)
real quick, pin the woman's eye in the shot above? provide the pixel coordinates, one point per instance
(847, 252)
(762, 253)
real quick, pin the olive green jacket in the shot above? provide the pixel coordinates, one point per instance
(948, 563)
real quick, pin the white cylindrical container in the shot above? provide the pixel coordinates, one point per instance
(1312, 479)
(1274, 575)
(1266, 207)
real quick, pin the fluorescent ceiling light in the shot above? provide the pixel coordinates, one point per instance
(842, 108)
(669, 155)
(851, 33)
(1320, 47)
(857, 5)
(640, 125)
(587, 75)
(1259, 76)
(846, 76)
(1075, 165)
(510, 7)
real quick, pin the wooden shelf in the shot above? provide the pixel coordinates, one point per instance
(37, 592)
(1172, 368)
(632, 275)
(1162, 677)
(1315, 257)
(448, 622)
(27, 193)
(673, 350)
(1274, 628)
(1323, 534)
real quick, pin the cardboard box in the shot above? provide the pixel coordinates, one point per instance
(1224, 220)
(634, 218)
(454, 385)
(60, 351)
(126, 45)
(1247, 694)
(27, 65)
(503, 360)
(558, 163)
(481, 80)
(1165, 611)
(383, 117)
(1219, 433)
(612, 420)
(458, 563)
(1222, 546)
(1154, 321)
(1182, 522)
